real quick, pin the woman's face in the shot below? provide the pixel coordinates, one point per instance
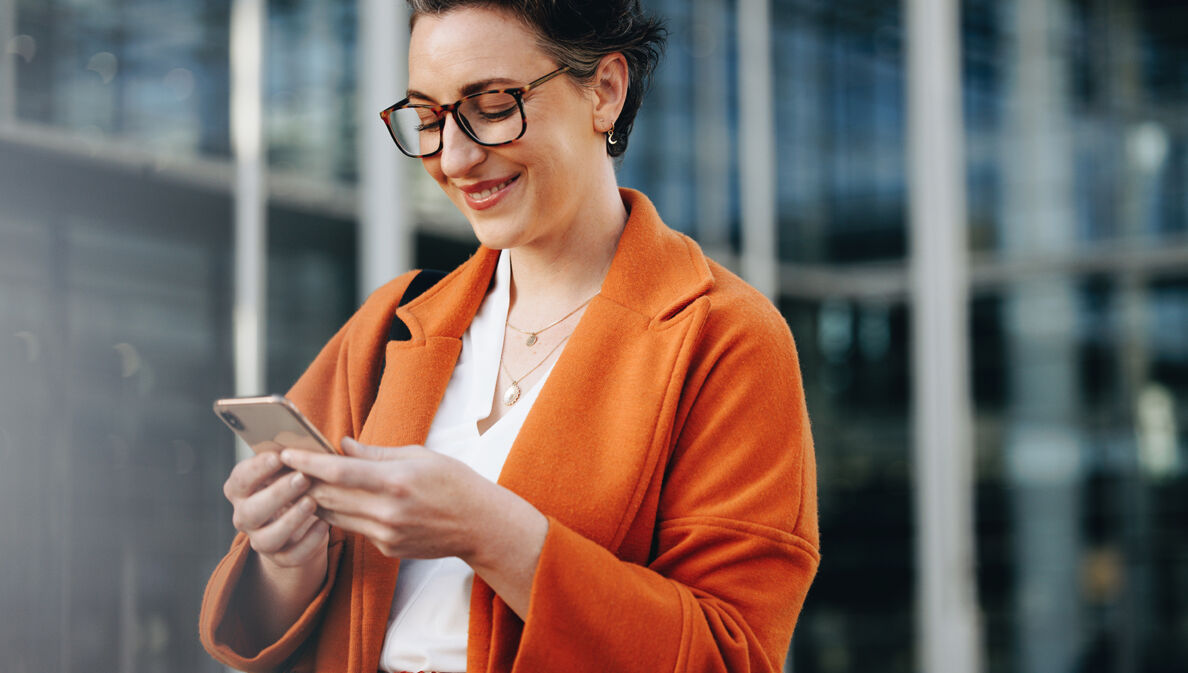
(528, 192)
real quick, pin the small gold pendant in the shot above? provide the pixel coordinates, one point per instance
(512, 395)
(531, 340)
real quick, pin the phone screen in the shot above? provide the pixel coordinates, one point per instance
(270, 423)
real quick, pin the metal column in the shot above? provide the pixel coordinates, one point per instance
(385, 194)
(248, 39)
(711, 127)
(756, 151)
(947, 605)
(8, 56)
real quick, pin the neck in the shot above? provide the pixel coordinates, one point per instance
(553, 276)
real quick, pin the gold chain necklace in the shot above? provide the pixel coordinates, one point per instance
(533, 334)
(512, 395)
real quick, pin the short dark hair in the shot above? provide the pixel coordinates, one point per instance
(577, 34)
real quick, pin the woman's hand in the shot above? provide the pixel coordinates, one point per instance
(291, 544)
(415, 503)
(409, 501)
(270, 507)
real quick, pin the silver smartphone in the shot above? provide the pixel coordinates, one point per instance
(270, 423)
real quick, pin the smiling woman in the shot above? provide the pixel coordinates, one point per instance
(592, 454)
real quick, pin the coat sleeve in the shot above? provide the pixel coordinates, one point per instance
(321, 394)
(331, 394)
(736, 543)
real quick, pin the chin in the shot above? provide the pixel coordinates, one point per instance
(495, 235)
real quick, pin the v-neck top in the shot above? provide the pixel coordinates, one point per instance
(428, 623)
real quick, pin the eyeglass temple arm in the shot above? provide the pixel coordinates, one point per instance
(535, 83)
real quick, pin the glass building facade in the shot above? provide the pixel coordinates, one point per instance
(117, 246)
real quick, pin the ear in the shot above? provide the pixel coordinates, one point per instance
(609, 90)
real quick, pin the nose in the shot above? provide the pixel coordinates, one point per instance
(459, 153)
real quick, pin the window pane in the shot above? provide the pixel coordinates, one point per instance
(682, 151)
(310, 74)
(859, 614)
(839, 87)
(152, 72)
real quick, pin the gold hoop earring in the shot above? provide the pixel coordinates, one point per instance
(610, 137)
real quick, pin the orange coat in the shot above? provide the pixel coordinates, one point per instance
(669, 448)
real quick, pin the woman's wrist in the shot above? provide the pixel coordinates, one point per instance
(281, 593)
(507, 525)
(510, 534)
(313, 570)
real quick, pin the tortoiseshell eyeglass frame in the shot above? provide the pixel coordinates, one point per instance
(439, 111)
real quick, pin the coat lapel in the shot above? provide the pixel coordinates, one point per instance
(588, 448)
(416, 374)
(417, 371)
(599, 429)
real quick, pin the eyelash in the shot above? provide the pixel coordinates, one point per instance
(498, 116)
(435, 126)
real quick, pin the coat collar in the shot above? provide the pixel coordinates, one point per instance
(635, 280)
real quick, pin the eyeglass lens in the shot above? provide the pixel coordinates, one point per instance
(489, 118)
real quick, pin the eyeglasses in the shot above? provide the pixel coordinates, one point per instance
(489, 118)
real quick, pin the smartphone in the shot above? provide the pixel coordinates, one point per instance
(270, 423)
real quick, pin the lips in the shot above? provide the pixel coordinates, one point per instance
(485, 194)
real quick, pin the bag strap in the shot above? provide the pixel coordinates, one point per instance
(424, 280)
(397, 330)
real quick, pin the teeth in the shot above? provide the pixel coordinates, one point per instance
(486, 193)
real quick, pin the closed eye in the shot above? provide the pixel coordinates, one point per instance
(498, 115)
(431, 127)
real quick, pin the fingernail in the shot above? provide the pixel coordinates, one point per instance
(272, 461)
(298, 480)
(286, 455)
(308, 505)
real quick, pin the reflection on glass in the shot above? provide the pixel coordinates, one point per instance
(151, 74)
(310, 88)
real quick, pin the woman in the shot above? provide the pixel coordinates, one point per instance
(590, 453)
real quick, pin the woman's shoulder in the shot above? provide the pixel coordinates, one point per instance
(738, 311)
(379, 307)
(388, 295)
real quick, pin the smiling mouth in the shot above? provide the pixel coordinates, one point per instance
(492, 191)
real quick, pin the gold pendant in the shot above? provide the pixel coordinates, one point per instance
(531, 340)
(512, 395)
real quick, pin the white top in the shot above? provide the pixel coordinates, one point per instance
(429, 621)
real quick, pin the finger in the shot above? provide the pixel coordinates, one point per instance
(357, 449)
(257, 510)
(306, 525)
(250, 475)
(341, 470)
(317, 537)
(287, 528)
(303, 527)
(382, 536)
(357, 502)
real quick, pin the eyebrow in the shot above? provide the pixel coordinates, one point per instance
(472, 88)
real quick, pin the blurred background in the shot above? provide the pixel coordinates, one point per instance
(120, 238)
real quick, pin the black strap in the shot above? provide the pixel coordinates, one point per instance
(424, 280)
(397, 330)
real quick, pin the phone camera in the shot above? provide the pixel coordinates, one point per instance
(232, 420)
